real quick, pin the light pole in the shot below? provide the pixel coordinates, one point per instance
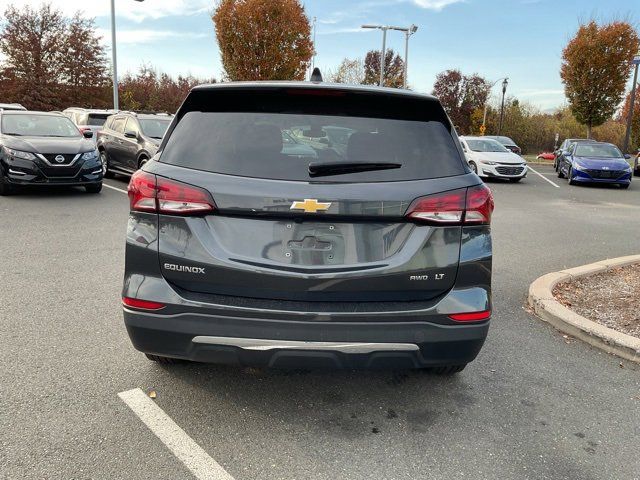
(114, 54)
(313, 62)
(384, 29)
(486, 104)
(634, 86)
(407, 32)
(505, 82)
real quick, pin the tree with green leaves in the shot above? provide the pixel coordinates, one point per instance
(595, 67)
(393, 69)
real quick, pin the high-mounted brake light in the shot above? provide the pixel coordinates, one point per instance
(142, 304)
(471, 316)
(149, 193)
(472, 206)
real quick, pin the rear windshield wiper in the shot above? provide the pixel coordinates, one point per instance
(317, 169)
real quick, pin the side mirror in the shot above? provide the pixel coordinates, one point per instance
(87, 134)
(130, 134)
(627, 156)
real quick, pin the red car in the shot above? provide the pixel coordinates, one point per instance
(546, 156)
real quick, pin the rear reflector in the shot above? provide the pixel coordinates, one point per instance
(148, 193)
(471, 317)
(142, 304)
(472, 206)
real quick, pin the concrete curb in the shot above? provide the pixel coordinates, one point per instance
(545, 306)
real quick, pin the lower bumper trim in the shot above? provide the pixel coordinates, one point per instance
(256, 344)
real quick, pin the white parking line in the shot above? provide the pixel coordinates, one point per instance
(175, 439)
(114, 188)
(544, 178)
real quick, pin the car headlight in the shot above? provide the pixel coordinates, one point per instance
(579, 167)
(92, 155)
(18, 154)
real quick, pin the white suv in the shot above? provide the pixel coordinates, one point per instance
(489, 158)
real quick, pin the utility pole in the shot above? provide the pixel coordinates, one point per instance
(313, 62)
(408, 31)
(504, 91)
(114, 55)
(634, 86)
(483, 128)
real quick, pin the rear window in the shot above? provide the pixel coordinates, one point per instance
(281, 145)
(97, 119)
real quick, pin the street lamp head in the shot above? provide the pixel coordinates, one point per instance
(505, 82)
(413, 29)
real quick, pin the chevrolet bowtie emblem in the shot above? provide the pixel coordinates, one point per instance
(311, 205)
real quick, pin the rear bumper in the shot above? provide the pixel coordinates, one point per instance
(301, 344)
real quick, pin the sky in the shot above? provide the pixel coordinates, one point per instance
(519, 39)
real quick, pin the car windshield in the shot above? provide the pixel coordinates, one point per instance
(154, 128)
(97, 119)
(35, 125)
(597, 151)
(486, 145)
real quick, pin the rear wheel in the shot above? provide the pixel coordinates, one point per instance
(162, 360)
(104, 159)
(560, 174)
(447, 370)
(94, 188)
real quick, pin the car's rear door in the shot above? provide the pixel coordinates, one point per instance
(280, 233)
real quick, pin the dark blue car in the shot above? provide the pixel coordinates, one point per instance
(594, 163)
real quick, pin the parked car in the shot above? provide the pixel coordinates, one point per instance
(546, 156)
(636, 165)
(507, 142)
(40, 148)
(594, 162)
(88, 119)
(564, 146)
(239, 253)
(489, 158)
(129, 140)
(5, 107)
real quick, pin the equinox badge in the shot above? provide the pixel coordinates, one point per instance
(183, 268)
(311, 205)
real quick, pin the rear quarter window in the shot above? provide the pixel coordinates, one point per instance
(287, 133)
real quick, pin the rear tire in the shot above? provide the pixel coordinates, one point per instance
(560, 174)
(104, 159)
(448, 370)
(95, 188)
(162, 360)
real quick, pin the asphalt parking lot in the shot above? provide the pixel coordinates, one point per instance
(533, 405)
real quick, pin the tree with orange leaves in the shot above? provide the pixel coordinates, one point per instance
(263, 39)
(595, 68)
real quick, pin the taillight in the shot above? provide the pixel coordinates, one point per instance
(471, 316)
(442, 209)
(142, 304)
(148, 193)
(479, 205)
(471, 206)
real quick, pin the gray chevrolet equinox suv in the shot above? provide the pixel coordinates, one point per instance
(304, 225)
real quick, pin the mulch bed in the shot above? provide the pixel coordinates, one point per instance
(610, 298)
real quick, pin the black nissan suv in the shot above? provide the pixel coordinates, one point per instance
(369, 249)
(41, 148)
(128, 140)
